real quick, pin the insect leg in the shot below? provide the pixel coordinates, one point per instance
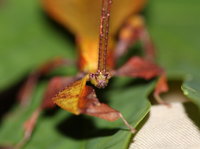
(135, 30)
(29, 85)
(56, 84)
(138, 67)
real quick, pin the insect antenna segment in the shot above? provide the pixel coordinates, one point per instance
(101, 77)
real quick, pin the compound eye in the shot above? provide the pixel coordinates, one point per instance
(107, 75)
(93, 76)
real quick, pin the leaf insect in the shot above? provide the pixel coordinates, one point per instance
(72, 93)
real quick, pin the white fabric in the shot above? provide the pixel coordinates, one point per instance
(167, 128)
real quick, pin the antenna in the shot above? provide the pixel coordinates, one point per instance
(101, 77)
(103, 35)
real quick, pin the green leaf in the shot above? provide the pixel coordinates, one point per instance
(63, 129)
(191, 88)
(175, 31)
(28, 39)
(12, 127)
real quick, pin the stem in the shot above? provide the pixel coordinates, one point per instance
(103, 36)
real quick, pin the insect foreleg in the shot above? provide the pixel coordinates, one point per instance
(135, 30)
(29, 85)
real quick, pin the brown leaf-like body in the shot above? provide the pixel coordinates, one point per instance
(79, 98)
(68, 99)
(90, 105)
(82, 17)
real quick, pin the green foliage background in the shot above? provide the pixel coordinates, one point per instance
(28, 38)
